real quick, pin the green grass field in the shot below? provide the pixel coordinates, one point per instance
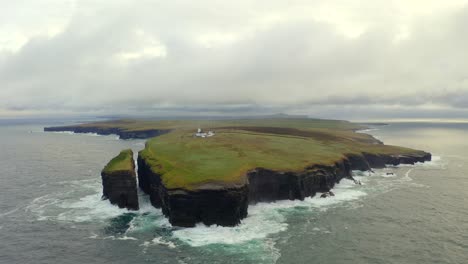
(123, 161)
(283, 144)
(185, 161)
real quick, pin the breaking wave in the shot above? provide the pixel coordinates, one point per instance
(265, 219)
(255, 231)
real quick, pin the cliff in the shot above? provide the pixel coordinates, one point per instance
(215, 205)
(119, 181)
(268, 185)
(226, 205)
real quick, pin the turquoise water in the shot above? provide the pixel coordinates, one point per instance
(51, 212)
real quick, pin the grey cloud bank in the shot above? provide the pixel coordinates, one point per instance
(375, 60)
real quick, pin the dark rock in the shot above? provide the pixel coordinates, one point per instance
(327, 194)
(224, 207)
(267, 185)
(380, 161)
(358, 162)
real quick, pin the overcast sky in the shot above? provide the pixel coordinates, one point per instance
(374, 59)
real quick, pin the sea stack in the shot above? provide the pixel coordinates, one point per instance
(119, 181)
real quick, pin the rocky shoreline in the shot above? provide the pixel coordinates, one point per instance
(123, 134)
(228, 205)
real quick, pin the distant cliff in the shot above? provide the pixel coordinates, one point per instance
(122, 133)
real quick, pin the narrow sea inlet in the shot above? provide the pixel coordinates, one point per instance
(52, 209)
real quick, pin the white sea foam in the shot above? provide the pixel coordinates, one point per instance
(93, 236)
(261, 222)
(126, 238)
(111, 136)
(147, 221)
(88, 208)
(270, 246)
(264, 219)
(90, 134)
(63, 206)
(162, 241)
(40, 204)
(73, 133)
(96, 236)
(10, 212)
(62, 132)
(345, 191)
(407, 177)
(158, 241)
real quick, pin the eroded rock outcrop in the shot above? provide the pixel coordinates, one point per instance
(119, 181)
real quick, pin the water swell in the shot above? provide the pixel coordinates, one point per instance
(81, 202)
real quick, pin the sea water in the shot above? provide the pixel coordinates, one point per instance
(51, 209)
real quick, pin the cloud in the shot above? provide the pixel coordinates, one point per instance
(379, 59)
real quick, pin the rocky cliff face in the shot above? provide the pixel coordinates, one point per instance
(267, 185)
(226, 206)
(380, 161)
(208, 205)
(123, 134)
(119, 186)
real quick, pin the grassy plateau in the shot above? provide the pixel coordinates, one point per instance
(283, 144)
(121, 162)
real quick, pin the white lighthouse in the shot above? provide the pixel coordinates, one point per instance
(202, 134)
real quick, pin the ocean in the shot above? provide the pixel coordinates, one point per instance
(51, 209)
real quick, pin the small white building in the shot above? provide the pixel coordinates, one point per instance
(202, 134)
